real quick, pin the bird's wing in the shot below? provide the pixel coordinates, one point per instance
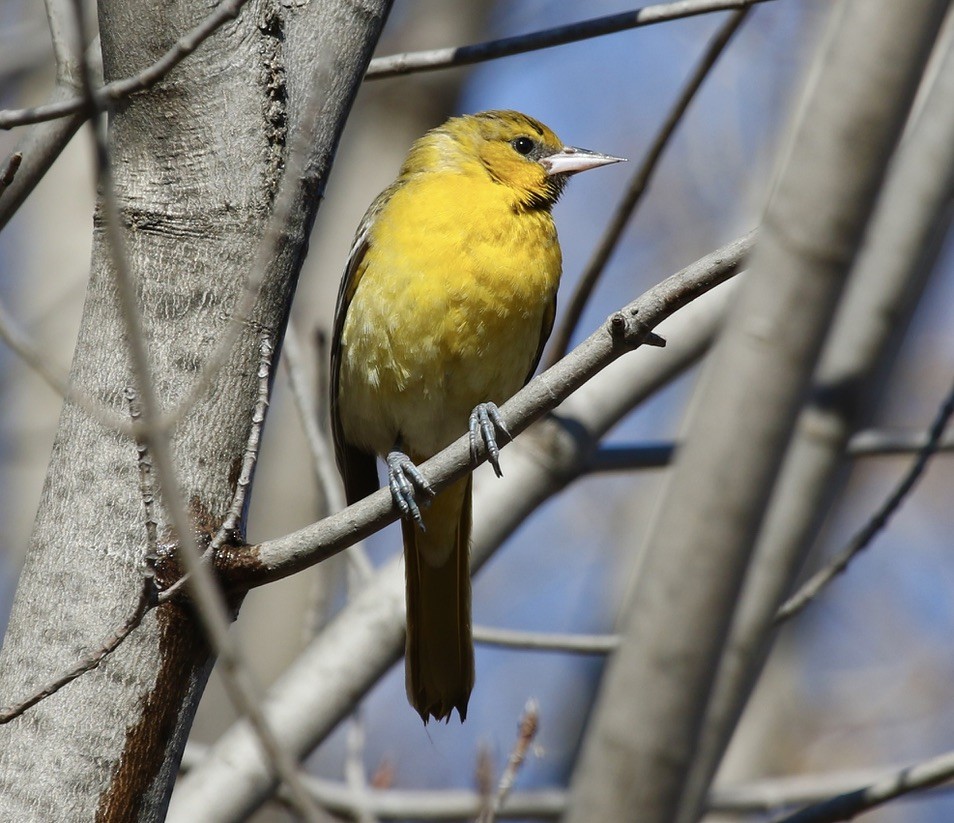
(545, 330)
(357, 467)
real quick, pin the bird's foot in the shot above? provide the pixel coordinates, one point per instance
(403, 478)
(483, 420)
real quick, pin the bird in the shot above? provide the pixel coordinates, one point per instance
(446, 302)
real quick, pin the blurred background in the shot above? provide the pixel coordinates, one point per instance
(864, 678)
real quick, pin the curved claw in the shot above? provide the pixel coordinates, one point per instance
(403, 478)
(483, 419)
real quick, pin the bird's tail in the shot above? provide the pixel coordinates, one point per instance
(440, 650)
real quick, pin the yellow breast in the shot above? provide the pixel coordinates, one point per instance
(448, 311)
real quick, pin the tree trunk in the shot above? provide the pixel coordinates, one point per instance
(649, 712)
(197, 163)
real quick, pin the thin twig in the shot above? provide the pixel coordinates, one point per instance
(331, 497)
(233, 519)
(102, 98)
(751, 797)
(546, 641)
(419, 61)
(231, 524)
(322, 460)
(40, 147)
(484, 779)
(22, 346)
(878, 521)
(883, 442)
(305, 397)
(64, 37)
(91, 660)
(526, 732)
(867, 443)
(638, 184)
(847, 806)
(147, 597)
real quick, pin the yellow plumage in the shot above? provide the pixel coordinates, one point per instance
(446, 304)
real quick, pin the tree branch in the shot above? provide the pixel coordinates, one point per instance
(598, 644)
(103, 97)
(526, 732)
(638, 184)
(622, 332)
(91, 660)
(431, 60)
(879, 520)
(848, 806)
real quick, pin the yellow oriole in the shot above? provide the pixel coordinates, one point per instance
(444, 308)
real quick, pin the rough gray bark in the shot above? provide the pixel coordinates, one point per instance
(903, 240)
(650, 707)
(197, 163)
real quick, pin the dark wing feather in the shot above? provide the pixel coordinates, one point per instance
(545, 330)
(358, 468)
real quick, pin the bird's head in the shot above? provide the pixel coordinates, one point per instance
(510, 148)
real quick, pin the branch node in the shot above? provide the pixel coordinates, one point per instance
(9, 169)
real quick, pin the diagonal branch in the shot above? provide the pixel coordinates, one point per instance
(92, 659)
(624, 331)
(879, 520)
(419, 61)
(103, 97)
(638, 185)
(849, 805)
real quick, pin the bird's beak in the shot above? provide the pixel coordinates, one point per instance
(570, 160)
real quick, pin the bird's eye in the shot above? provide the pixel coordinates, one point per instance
(523, 145)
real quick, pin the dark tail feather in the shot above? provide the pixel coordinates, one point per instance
(440, 650)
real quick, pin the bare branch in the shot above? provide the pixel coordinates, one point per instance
(118, 89)
(847, 806)
(354, 769)
(304, 396)
(867, 443)
(622, 332)
(638, 183)
(67, 42)
(879, 520)
(526, 732)
(751, 797)
(24, 348)
(91, 660)
(419, 61)
(232, 523)
(321, 456)
(882, 442)
(546, 641)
